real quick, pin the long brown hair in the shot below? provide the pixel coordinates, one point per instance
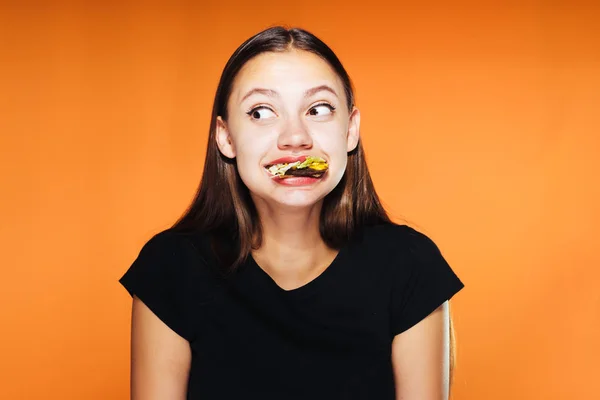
(223, 207)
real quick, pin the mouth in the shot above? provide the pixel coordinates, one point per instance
(301, 166)
(285, 160)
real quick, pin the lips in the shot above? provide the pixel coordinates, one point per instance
(285, 160)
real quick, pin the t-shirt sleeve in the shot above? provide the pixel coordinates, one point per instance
(160, 278)
(422, 282)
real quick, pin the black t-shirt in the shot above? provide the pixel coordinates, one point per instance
(329, 339)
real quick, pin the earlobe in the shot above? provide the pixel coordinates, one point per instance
(223, 138)
(353, 129)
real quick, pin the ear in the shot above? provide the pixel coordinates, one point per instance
(353, 129)
(224, 140)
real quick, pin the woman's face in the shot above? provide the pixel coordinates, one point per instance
(288, 104)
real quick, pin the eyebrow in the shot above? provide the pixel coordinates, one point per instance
(272, 93)
(315, 90)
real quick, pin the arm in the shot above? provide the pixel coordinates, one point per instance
(420, 357)
(160, 358)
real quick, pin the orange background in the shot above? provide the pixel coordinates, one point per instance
(481, 125)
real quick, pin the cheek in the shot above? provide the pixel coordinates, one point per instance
(250, 152)
(333, 141)
(249, 143)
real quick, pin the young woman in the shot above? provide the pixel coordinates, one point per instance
(286, 279)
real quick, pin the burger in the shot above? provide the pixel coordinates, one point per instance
(312, 167)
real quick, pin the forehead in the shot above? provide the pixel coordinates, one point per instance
(286, 72)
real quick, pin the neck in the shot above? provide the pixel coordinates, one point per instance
(292, 229)
(292, 250)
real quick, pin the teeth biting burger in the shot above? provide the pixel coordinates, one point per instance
(313, 167)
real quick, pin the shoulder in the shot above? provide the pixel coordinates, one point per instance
(170, 257)
(171, 277)
(399, 240)
(171, 245)
(419, 275)
(403, 252)
(164, 244)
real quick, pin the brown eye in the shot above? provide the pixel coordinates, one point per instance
(259, 113)
(321, 110)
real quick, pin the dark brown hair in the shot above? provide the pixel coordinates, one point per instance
(222, 206)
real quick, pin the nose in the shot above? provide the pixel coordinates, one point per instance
(294, 136)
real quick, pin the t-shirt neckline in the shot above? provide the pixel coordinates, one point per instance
(307, 288)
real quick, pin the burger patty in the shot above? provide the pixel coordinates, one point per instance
(313, 173)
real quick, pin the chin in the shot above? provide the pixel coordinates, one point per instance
(297, 200)
(291, 197)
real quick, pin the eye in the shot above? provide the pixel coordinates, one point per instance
(261, 112)
(321, 110)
